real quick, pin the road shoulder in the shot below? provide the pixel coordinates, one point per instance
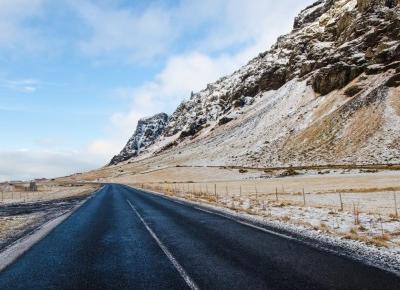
(13, 251)
(370, 255)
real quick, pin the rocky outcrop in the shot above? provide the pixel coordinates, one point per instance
(312, 13)
(333, 77)
(332, 43)
(367, 5)
(333, 46)
(148, 130)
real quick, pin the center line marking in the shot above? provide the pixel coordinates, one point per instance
(192, 285)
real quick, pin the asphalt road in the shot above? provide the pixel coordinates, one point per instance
(129, 239)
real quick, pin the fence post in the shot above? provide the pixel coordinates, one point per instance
(395, 205)
(276, 193)
(341, 201)
(304, 198)
(381, 222)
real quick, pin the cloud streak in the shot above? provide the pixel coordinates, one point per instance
(22, 86)
(15, 33)
(29, 164)
(156, 29)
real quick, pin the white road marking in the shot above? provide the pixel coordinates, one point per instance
(176, 264)
(228, 217)
(176, 201)
(247, 224)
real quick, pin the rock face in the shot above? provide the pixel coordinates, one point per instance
(366, 5)
(316, 85)
(147, 132)
(332, 43)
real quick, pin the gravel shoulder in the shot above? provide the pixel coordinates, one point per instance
(19, 219)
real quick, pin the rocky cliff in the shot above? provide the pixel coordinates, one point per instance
(148, 130)
(328, 92)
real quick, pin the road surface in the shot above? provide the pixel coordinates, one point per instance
(124, 238)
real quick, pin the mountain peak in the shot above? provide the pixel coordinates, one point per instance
(148, 130)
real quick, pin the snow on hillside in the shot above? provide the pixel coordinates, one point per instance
(325, 93)
(147, 132)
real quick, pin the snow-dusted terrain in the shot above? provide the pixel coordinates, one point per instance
(147, 132)
(326, 93)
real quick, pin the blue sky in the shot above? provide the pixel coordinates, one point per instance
(76, 75)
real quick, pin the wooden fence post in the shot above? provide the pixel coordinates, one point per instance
(276, 193)
(304, 198)
(381, 222)
(341, 201)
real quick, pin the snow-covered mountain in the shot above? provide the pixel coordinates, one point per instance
(147, 132)
(328, 92)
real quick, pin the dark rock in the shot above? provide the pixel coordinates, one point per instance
(394, 81)
(148, 130)
(224, 120)
(391, 3)
(306, 16)
(193, 129)
(353, 90)
(272, 79)
(334, 77)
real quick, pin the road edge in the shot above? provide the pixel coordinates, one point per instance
(15, 250)
(354, 250)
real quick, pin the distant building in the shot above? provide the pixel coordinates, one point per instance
(32, 186)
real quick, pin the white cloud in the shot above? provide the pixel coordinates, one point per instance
(117, 31)
(24, 85)
(181, 75)
(15, 33)
(252, 22)
(29, 164)
(103, 149)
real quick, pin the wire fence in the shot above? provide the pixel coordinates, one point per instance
(258, 195)
(21, 195)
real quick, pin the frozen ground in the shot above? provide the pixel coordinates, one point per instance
(20, 216)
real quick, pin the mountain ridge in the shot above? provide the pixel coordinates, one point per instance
(306, 99)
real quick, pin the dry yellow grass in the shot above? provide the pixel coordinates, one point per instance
(371, 192)
(364, 123)
(46, 191)
(395, 99)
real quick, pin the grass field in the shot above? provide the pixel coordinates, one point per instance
(23, 211)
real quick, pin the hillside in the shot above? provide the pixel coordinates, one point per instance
(326, 93)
